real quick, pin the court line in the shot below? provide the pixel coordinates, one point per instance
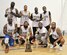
(14, 49)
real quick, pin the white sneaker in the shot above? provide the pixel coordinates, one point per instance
(60, 48)
(51, 46)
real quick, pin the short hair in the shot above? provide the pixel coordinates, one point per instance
(35, 8)
(44, 6)
(26, 22)
(25, 5)
(54, 23)
(13, 3)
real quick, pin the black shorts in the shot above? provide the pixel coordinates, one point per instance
(52, 40)
(34, 30)
(47, 27)
(17, 41)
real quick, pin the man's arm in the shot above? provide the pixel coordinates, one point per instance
(49, 31)
(60, 34)
(30, 31)
(6, 14)
(15, 14)
(20, 32)
(5, 29)
(20, 14)
(50, 17)
(15, 30)
(40, 17)
(31, 17)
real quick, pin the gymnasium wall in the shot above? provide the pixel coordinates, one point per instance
(64, 16)
(54, 6)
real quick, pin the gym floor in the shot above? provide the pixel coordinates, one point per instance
(35, 51)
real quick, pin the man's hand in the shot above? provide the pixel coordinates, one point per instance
(6, 15)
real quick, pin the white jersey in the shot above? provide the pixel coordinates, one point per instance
(25, 31)
(10, 29)
(12, 16)
(45, 20)
(43, 30)
(54, 34)
(25, 17)
(36, 17)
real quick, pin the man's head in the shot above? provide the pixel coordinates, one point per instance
(10, 21)
(36, 9)
(40, 25)
(26, 24)
(44, 8)
(25, 7)
(53, 25)
(12, 4)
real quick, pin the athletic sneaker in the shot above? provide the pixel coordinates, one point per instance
(45, 45)
(60, 48)
(51, 46)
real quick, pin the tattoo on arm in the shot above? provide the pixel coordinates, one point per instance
(59, 33)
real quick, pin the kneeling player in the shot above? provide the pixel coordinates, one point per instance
(56, 36)
(24, 30)
(9, 30)
(41, 35)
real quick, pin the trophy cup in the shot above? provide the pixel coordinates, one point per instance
(28, 45)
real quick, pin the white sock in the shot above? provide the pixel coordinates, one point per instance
(60, 48)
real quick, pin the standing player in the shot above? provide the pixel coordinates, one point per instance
(12, 11)
(25, 14)
(56, 36)
(9, 29)
(35, 17)
(46, 15)
(41, 34)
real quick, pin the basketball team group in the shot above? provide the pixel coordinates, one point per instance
(43, 30)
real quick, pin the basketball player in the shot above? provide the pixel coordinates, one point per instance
(56, 36)
(24, 30)
(12, 11)
(25, 14)
(46, 15)
(35, 17)
(41, 34)
(9, 29)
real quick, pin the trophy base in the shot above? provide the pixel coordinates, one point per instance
(28, 48)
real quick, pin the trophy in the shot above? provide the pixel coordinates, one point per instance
(28, 45)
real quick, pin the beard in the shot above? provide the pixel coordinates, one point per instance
(12, 6)
(44, 11)
(10, 22)
(40, 27)
(36, 11)
(53, 27)
(25, 9)
(25, 27)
